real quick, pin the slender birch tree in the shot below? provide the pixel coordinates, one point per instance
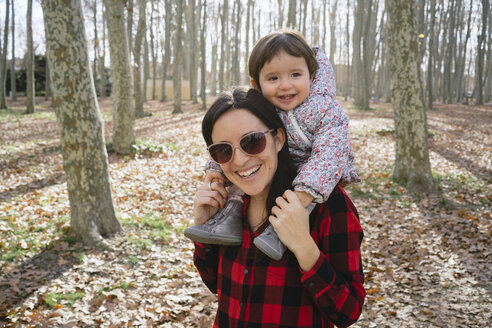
(177, 58)
(3, 59)
(30, 91)
(13, 90)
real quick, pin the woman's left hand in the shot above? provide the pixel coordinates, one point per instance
(291, 223)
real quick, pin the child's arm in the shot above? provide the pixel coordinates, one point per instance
(330, 157)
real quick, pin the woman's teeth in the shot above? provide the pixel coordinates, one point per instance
(249, 172)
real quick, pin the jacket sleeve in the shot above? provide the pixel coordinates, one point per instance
(206, 260)
(330, 155)
(211, 165)
(336, 280)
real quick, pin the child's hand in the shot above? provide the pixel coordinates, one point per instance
(304, 198)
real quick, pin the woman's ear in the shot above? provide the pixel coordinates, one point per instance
(280, 139)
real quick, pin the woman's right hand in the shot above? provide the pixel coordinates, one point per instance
(209, 197)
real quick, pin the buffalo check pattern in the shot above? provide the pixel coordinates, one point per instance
(256, 291)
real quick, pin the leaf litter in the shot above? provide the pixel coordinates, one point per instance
(427, 258)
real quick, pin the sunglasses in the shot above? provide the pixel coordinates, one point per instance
(252, 144)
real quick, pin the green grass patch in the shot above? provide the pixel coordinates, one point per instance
(57, 300)
(125, 285)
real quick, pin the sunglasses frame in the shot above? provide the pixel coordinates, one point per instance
(272, 131)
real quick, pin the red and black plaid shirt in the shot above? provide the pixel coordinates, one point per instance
(256, 291)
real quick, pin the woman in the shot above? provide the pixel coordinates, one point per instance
(318, 282)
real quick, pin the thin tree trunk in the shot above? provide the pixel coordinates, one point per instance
(291, 18)
(137, 58)
(481, 53)
(96, 41)
(412, 156)
(47, 77)
(177, 58)
(347, 45)
(3, 62)
(30, 91)
(102, 56)
(166, 56)
(153, 50)
(223, 44)
(146, 70)
(430, 64)
(85, 160)
(13, 88)
(236, 78)
(460, 85)
(333, 25)
(129, 24)
(122, 89)
(193, 52)
(203, 55)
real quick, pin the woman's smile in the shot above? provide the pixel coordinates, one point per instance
(248, 173)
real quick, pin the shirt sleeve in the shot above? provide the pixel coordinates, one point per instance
(211, 165)
(331, 153)
(336, 280)
(206, 260)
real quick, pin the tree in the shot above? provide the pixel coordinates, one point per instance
(166, 55)
(203, 55)
(13, 96)
(30, 93)
(193, 51)
(177, 58)
(122, 91)
(412, 156)
(3, 59)
(291, 17)
(481, 53)
(85, 160)
(430, 64)
(137, 59)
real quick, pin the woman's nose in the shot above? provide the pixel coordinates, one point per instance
(239, 157)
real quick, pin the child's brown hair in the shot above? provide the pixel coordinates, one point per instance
(290, 41)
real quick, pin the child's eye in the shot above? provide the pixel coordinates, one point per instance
(296, 74)
(272, 78)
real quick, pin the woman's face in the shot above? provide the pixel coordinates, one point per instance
(253, 174)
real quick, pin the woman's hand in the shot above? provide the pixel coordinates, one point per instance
(209, 197)
(291, 222)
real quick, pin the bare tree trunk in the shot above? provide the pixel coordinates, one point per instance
(291, 18)
(213, 71)
(203, 55)
(193, 52)
(236, 77)
(153, 50)
(146, 70)
(459, 84)
(248, 25)
(30, 91)
(333, 25)
(129, 24)
(177, 58)
(412, 156)
(102, 57)
(481, 53)
(47, 91)
(3, 63)
(280, 15)
(166, 56)
(96, 41)
(430, 59)
(122, 89)
(85, 160)
(223, 44)
(347, 46)
(13, 90)
(304, 14)
(488, 70)
(137, 58)
(325, 27)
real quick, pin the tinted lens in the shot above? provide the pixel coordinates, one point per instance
(221, 153)
(253, 143)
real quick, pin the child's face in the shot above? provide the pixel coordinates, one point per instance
(285, 81)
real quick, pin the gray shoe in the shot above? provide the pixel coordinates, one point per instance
(224, 228)
(269, 243)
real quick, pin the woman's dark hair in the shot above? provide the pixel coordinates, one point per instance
(254, 102)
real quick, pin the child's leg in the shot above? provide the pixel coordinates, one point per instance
(269, 243)
(225, 227)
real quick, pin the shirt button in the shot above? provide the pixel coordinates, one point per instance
(311, 284)
(241, 304)
(246, 271)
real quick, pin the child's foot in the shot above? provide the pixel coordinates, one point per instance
(269, 243)
(224, 228)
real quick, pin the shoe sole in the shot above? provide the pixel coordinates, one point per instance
(267, 249)
(203, 237)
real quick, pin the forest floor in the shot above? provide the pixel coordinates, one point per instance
(427, 258)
